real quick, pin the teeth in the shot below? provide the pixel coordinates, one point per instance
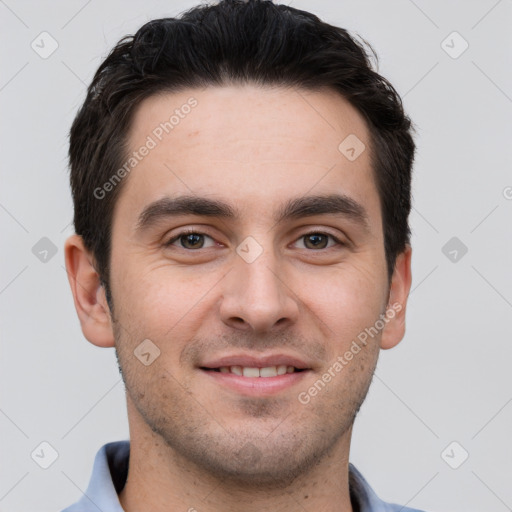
(237, 370)
(268, 371)
(251, 372)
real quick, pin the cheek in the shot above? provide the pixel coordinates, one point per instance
(161, 302)
(346, 301)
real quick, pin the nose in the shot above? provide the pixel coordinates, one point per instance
(256, 298)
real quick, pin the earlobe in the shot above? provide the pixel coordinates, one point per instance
(88, 294)
(398, 294)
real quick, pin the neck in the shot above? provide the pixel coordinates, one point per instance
(160, 480)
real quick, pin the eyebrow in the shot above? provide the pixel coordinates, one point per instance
(308, 206)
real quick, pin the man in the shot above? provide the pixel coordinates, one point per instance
(241, 183)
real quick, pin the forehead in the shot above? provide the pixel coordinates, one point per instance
(236, 114)
(252, 146)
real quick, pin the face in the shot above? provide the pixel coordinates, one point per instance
(245, 242)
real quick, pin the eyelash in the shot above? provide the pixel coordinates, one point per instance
(196, 232)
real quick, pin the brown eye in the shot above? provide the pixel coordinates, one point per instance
(318, 241)
(191, 240)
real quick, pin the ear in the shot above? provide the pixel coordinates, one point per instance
(394, 330)
(88, 294)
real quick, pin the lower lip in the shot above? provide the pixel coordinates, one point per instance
(257, 386)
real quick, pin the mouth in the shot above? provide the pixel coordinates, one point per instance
(254, 371)
(256, 376)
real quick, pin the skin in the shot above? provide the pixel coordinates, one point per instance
(194, 443)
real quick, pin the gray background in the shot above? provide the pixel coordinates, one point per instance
(449, 380)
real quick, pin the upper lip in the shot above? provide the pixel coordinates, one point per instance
(256, 361)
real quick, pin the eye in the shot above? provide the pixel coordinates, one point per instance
(318, 241)
(191, 240)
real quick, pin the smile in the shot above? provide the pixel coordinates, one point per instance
(252, 372)
(254, 386)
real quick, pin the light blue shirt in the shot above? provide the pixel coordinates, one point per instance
(111, 469)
